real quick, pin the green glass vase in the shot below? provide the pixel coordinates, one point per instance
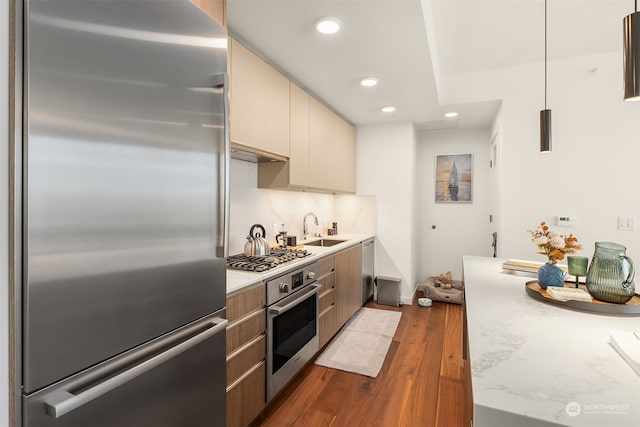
(610, 276)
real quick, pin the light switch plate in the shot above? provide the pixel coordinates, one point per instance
(567, 221)
(627, 223)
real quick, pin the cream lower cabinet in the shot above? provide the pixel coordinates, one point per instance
(259, 100)
(246, 368)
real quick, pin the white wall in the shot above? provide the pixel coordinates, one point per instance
(460, 228)
(386, 169)
(4, 210)
(593, 172)
(251, 205)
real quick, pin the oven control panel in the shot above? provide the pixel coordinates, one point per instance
(290, 282)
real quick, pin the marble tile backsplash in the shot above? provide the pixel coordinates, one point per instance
(250, 205)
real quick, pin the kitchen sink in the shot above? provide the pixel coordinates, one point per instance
(324, 242)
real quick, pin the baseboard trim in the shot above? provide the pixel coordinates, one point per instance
(409, 300)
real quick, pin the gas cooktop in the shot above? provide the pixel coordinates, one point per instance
(276, 257)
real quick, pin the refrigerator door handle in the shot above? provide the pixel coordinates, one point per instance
(222, 81)
(65, 401)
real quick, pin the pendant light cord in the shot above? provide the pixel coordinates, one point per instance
(545, 54)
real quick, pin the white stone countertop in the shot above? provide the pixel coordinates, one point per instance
(539, 364)
(237, 280)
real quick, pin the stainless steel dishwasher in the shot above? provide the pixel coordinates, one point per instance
(368, 253)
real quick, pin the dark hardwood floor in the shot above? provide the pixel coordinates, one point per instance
(422, 381)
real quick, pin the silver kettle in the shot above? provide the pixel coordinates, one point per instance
(256, 244)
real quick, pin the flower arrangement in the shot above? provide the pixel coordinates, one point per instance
(552, 244)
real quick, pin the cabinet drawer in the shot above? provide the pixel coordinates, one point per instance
(245, 301)
(327, 299)
(245, 357)
(244, 330)
(328, 283)
(327, 326)
(326, 265)
(246, 398)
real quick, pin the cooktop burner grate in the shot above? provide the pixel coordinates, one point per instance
(257, 264)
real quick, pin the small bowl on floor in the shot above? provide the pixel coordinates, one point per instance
(424, 302)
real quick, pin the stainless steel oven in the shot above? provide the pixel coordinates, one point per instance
(292, 325)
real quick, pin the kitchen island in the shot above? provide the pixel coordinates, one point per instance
(538, 364)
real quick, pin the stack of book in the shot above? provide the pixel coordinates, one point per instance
(526, 266)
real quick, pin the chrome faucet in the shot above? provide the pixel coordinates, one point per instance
(305, 229)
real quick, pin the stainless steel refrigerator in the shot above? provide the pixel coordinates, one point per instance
(125, 213)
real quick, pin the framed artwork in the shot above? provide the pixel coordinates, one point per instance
(454, 178)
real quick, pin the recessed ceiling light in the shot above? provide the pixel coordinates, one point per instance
(451, 114)
(369, 81)
(388, 109)
(328, 25)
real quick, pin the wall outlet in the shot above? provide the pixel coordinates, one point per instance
(567, 221)
(627, 223)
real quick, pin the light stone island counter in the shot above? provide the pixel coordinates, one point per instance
(537, 364)
(237, 280)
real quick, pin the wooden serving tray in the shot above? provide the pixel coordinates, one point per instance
(631, 308)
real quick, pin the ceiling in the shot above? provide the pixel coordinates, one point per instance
(412, 45)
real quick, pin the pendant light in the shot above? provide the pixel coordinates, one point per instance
(545, 115)
(631, 26)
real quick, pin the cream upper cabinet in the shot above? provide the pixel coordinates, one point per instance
(273, 115)
(348, 159)
(335, 145)
(322, 154)
(259, 103)
(343, 163)
(332, 145)
(217, 9)
(299, 137)
(321, 136)
(294, 173)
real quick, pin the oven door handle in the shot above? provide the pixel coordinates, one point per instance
(312, 289)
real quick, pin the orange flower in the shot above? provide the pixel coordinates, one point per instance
(553, 245)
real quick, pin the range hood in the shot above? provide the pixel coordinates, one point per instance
(254, 155)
